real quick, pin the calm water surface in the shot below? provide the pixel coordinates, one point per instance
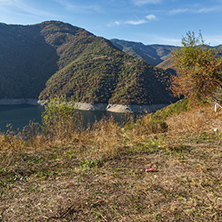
(20, 115)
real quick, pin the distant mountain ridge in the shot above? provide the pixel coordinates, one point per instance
(152, 54)
(156, 55)
(56, 58)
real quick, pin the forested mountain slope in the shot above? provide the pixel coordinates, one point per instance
(55, 58)
(156, 55)
(152, 54)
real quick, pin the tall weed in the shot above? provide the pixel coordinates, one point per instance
(107, 136)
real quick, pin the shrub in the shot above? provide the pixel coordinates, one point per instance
(198, 69)
(60, 118)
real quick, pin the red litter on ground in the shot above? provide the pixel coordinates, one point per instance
(149, 169)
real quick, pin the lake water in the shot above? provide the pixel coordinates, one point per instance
(20, 115)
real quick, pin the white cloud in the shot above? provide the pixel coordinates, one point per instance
(137, 22)
(151, 17)
(206, 10)
(70, 6)
(144, 2)
(3, 2)
(116, 23)
(179, 11)
(194, 10)
(23, 8)
(9, 2)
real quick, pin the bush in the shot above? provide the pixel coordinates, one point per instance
(60, 118)
(198, 69)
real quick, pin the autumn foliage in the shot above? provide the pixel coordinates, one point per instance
(198, 69)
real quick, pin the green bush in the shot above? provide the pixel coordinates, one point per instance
(60, 118)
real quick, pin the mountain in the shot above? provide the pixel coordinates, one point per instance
(152, 54)
(156, 55)
(56, 58)
(169, 66)
(26, 61)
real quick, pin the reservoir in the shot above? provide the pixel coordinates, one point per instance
(20, 116)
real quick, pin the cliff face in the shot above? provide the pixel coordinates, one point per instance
(55, 58)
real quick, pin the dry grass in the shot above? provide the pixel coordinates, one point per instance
(99, 174)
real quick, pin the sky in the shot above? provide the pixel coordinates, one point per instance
(147, 21)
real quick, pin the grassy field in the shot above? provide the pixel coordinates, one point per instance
(99, 174)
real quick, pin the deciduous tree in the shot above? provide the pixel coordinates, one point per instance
(199, 70)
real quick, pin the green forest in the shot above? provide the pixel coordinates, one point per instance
(57, 59)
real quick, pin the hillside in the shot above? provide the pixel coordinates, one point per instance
(156, 55)
(55, 58)
(169, 66)
(26, 61)
(152, 54)
(98, 72)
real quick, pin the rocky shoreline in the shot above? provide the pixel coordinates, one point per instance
(91, 107)
(119, 108)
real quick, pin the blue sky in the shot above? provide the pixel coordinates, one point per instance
(146, 21)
